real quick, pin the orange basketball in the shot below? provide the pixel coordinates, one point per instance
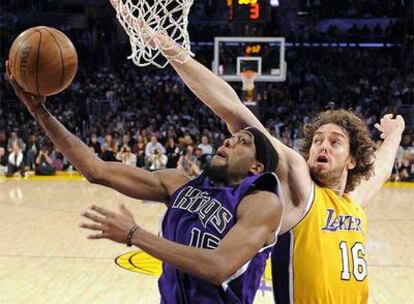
(43, 61)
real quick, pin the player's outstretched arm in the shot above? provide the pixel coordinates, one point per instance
(134, 182)
(259, 215)
(391, 131)
(220, 97)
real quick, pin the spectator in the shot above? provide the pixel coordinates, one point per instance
(153, 145)
(44, 163)
(187, 140)
(3, 141)
(202, 159)
(188, 162)
(139, 150)
(157, 160)
(126, 142)
(94, 144)
(410, 148)
(206, 148)
(59, 161)
(15, 161)
(109, 150)
(151, 148)
(406, 168)
(3, 161)
(13, 140)
(126, 156)
(172, 151)
(32, 148)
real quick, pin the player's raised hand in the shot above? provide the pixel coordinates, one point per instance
(389, 125)
(32, 102)
(154, 39)
(111, 225)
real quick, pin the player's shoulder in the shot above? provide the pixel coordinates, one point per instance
(172, 179)
(261, 201)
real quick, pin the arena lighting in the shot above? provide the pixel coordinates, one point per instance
(274, 3)
(343, 44)
(320, 44)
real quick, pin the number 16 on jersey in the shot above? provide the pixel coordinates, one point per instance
(354, 263)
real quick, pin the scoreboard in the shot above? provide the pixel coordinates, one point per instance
(248, 11)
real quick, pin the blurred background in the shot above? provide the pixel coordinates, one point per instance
(358, 54)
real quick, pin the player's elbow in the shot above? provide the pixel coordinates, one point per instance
(92, 178)
(218, 272)
(383, 174)
(216, 277)
(94, 174)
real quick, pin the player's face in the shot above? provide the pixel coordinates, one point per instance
(329, 157)
(237, 155)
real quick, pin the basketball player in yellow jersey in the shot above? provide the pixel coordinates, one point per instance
(321, 256)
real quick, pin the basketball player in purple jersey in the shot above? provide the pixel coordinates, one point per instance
(218, 230)
(214, 241)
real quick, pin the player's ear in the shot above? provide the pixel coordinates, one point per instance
(256, 168)
(351, 163)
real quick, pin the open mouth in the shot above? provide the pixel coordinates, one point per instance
(322, 159)
(221, 154)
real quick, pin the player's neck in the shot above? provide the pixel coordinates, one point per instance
(228, 183)
(340, 184)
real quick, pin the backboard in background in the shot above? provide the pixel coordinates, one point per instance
(263, 55)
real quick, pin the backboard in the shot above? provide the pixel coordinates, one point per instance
(263, 55)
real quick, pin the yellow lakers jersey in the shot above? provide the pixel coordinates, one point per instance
(323, 258)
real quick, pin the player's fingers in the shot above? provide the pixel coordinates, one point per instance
(141, 23)
(19, 91)
(98, 236)
(388, 116)
(379, 127)
(91, 226)
(101, 210)
(7, 70)
(114, 3)
(13, 83)
(93, 217)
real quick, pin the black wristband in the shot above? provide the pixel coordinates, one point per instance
(130, 234)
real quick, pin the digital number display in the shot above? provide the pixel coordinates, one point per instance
(253, 49)
(246, 11)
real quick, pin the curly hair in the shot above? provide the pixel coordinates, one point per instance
(362, 147)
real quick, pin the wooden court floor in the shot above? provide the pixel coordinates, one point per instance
(46, 258)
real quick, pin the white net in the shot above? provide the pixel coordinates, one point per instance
(145, 20)
(248, 78)
(248, 94)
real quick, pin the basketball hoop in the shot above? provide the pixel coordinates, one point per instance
(248, 78)
(143, 20)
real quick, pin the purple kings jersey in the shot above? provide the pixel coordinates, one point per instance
(200, 215)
